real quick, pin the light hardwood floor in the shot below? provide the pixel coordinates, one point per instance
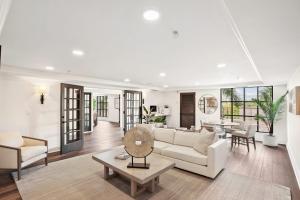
(268, 164)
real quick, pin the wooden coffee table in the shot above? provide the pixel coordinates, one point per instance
(141, 179)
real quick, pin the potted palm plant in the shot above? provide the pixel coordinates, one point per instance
(148, 115)
(271, 111)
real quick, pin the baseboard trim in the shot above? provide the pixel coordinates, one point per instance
(294, 164)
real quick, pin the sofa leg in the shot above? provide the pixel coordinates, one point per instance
(46, 161)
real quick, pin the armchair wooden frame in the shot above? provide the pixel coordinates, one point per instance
(19, 158)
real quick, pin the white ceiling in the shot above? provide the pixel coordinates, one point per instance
(119, 44)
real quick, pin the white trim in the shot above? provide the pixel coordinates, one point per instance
(294, 164)
(240, 38)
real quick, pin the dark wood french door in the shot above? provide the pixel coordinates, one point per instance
(72, 116)
(87, 112)
(132, 109)
(187, 110)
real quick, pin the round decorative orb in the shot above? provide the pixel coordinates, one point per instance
(138, 142)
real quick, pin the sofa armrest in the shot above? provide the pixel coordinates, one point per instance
(10, 157)
(29, 141)
(217, 157)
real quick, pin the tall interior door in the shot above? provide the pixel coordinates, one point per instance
(132, 109)
(87, 112)
(187, 110)
(72, 116)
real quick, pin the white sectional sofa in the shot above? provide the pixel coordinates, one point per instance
(178, 146)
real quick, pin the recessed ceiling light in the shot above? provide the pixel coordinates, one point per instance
(162, 74)
(221, 65)
(197, 83)
(77, 52)
(165, 86)
(49, 68)
(127, 80)
(151, 15)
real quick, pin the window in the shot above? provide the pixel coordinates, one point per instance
(102, 106)
(238, 104)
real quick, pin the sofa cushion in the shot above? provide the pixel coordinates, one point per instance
(11, 139)
(187, 154)
(149, 127)
(185, 138)
(28, 152)
(164, 135)
(158, 146)
(204, 140)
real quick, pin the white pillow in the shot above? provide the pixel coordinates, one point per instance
(203, 141)
(11, 139)
(185, 138)
(164, 135)
(204, 130)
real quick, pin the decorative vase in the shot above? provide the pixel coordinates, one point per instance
(270, 140)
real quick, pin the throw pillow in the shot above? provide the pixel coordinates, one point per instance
(204, 140)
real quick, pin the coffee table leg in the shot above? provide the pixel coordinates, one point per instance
(106, 172)
(152, 186)
(133, 188)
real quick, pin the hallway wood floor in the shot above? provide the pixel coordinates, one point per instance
(268, 164)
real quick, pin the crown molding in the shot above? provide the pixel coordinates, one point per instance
(91, 82)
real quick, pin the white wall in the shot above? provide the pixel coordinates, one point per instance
(20, 108)
(293, 130)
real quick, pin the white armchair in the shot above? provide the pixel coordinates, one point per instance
(17, 152)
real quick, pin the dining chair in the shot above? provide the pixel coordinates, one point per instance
(243, 137)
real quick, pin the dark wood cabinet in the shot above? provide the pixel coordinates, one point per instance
(187, 110)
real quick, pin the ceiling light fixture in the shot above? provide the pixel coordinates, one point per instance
(162, 74)
(127, 80)
(221, 65)
(165, 86)
(197, 83)
(77, 52)
(49, 68)
(151, 15)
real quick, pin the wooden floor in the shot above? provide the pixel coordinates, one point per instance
(269, 164)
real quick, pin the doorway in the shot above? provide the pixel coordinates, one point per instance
(132, 109)
(187, 110)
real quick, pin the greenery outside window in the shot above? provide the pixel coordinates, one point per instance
(239, 104)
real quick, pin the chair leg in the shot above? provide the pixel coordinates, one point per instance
(232, 141)
(253, 139)
(46, 161)
(19, 173)
(238, 141)
(247, 141)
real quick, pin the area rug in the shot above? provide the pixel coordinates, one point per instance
(82, 178)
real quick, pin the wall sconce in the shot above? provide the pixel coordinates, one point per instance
(42, 92)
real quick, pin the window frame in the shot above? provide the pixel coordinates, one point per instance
(102, 106)
(244, 101)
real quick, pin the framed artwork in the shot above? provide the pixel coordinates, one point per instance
(294, 100)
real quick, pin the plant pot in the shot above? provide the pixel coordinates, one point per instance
(270, 140)
(159, 125)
